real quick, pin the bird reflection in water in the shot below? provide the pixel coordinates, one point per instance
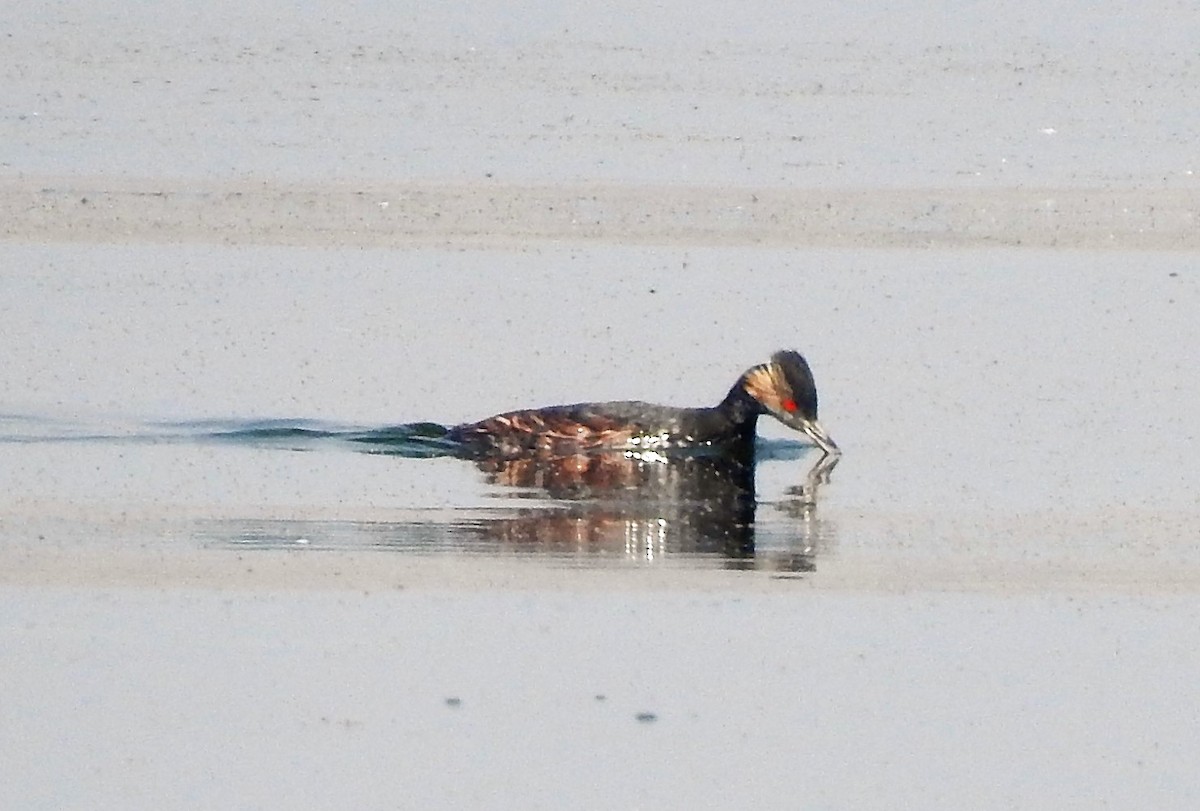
(651, 507)
(652, 480)
(621, 479)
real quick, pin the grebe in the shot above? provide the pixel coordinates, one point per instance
(783, 388)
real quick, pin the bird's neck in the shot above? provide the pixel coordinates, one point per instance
(739, 410)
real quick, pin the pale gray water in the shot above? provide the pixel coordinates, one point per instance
(1022, 406)
(366, 216)
(1014, 422)
(883, 96)
(810, 700)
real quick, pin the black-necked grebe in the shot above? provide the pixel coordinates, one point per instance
(783, 388)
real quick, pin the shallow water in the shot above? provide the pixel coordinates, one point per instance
(997, 585)
(1022, 410)
(599, 509)
(978, 224)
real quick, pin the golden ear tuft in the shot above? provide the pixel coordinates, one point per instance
(767, 384)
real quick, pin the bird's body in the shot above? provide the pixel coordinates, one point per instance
(783, 388)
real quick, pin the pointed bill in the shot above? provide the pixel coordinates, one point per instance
(814, 431)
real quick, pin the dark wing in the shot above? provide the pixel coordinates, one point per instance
(561, 429)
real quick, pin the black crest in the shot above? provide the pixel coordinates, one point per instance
(799, 380)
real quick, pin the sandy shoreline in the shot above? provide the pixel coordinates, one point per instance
(486, 214)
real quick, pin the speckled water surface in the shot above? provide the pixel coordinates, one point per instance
(1025, 409)
(238, 239)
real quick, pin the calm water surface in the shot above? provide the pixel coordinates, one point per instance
(603, 509)
(993, 603)
(1004, 414)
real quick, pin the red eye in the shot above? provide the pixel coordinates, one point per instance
(789, 405)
